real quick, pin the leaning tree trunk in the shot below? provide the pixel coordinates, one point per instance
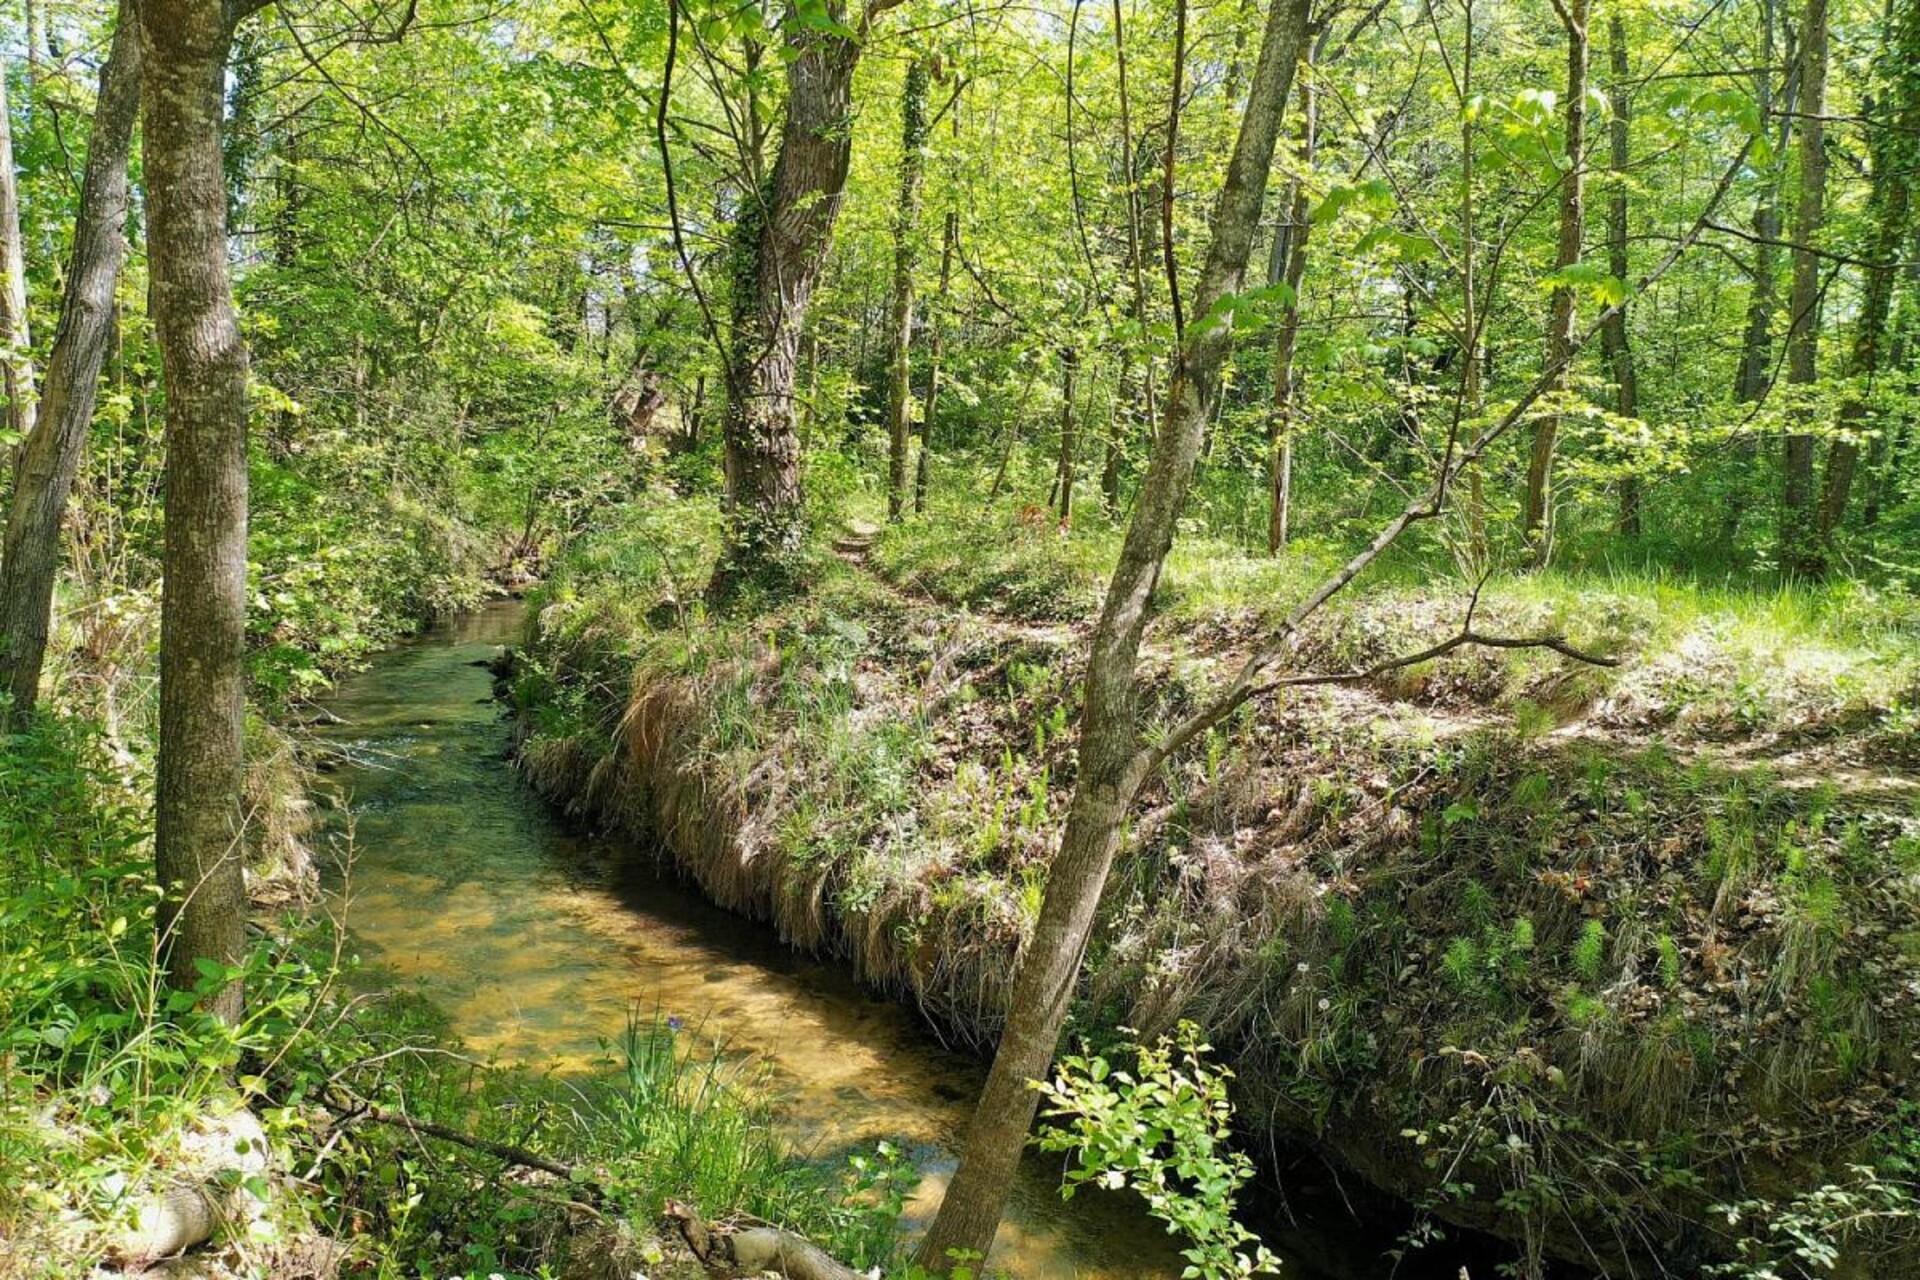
(780, 246)
(1799, 553)
(51, 456)
(203, 614)
(1111, 766)
(1561, 311)
(16, 362)
(1896, 150)
(913, 152)
(1616, 346)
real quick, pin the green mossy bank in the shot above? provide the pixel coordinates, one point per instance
(1617, 963)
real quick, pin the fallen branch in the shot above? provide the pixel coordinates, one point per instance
(1459, 640)
(362, 1110)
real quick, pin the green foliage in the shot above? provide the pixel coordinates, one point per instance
(1163, 1130)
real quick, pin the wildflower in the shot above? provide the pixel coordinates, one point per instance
(674, 1024)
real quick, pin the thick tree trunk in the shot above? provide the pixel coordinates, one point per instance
(1288, 265)
(913, 150)
(203, 617)
(51, 456)
(1896, 150)
(1561, 311)
(1798, 552)
(780, 246)
(1616, 346)
(1111, 764)
(16, 362)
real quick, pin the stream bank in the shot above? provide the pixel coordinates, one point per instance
(539, 945)
(1509, 941)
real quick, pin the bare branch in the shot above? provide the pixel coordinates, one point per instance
(1247, 682)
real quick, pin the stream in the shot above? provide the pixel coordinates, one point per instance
(539, 945)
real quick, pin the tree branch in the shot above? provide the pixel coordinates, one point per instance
(1247, 682)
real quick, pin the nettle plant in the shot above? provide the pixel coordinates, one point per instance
(1163, 1130)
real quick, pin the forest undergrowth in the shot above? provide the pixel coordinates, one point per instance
(1617, 962)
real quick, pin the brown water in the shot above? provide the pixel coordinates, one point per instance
(539, 945)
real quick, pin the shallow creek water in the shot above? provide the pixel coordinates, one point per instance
(462, 882)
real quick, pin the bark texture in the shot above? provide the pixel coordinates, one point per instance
(16, 362)
(913, 150)
(1111, 762)
(50, 458)
(1896, 150)
(1288, 266)
(780, 246)
(1562, 308)
(1798, 551)
(1616, 344)
(197, 844)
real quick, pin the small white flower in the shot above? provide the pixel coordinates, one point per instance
(1325, 1004)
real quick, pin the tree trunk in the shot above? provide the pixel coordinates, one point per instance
(780, 245)
(1561, 311)
(1470, 309)
(1616, 346)
(1896, 150)
(1288, 265)
(50, 457)
(913, 150)
(1756, 354)
(1136, 382)
(198, 843)
(949, 241)
(1111, 764)
(1890, 446)
(1798, 552)
(1069, 434)
(1754, 374)
(16, 362)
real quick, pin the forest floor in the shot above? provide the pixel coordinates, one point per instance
(1617, 962)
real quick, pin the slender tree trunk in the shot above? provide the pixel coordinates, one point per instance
(1470, 310)
(1799, 553)
(949, 240)
(16, 362)
(198, 844)
(1754, 374)
(780, 246)
(1616, 346)
(1896, 150)
(1890, 447)
(1111, 765)
(913, 151)
(1069, 433)
(1288, 265)
(1756, 347)
(1561, 316)
(1136, 380)
(50, 457)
